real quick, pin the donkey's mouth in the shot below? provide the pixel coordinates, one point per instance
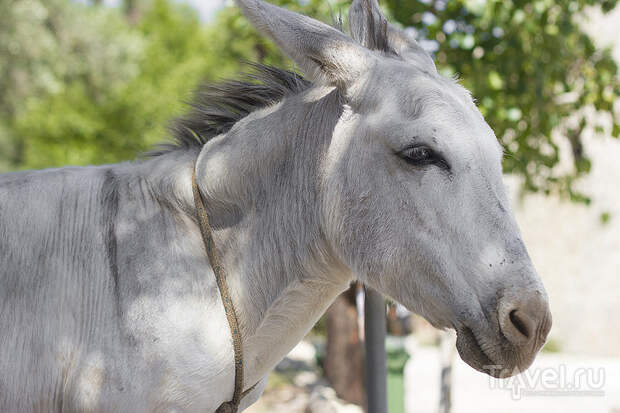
(473, 353)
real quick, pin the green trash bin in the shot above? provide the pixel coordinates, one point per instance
(397, 357)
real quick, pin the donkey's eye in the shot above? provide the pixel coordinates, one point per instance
(423, 155)
(418, 155)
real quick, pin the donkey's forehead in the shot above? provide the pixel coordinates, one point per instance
(434, 91)
(434, 104)
(412, 94)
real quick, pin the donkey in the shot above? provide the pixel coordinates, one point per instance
(377, 168)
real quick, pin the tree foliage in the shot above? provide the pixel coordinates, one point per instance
(89, 121)
(83, 83)
(52, 48)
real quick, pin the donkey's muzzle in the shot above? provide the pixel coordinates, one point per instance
(524, 322)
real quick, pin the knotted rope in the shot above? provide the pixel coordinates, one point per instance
(220, 277)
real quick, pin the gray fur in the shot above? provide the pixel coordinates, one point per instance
(108, 302)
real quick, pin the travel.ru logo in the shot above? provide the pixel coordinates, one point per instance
(551, 381)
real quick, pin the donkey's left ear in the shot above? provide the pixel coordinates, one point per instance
(370, 27)
(321, 51)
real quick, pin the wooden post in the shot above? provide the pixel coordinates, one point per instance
(447, 348)
(376, 370)
(344, 354)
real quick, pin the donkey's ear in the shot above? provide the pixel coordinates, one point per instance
(370, 27)
(321, 51)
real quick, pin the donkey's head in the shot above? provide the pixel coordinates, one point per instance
(412, 191)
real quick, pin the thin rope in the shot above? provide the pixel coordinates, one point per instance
(220, 277)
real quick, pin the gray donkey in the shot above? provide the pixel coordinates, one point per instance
(378, 169)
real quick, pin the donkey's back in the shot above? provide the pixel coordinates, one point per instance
(56, 284)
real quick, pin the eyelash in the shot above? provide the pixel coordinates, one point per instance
(431, 158)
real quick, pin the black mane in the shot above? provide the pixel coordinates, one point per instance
(216, 107)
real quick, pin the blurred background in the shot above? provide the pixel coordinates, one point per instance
(97, 81)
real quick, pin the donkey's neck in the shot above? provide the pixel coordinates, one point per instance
(261, 187)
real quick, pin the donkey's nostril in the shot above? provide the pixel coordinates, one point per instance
(519, 323)
(517, 326)
(524, 319)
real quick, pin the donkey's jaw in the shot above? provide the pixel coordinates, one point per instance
(489, 350)
(471, 351)
(492, 359)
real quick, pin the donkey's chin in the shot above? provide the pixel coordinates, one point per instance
(496, 361)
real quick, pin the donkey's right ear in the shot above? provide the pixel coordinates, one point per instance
(370, 27)
(322, 52)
